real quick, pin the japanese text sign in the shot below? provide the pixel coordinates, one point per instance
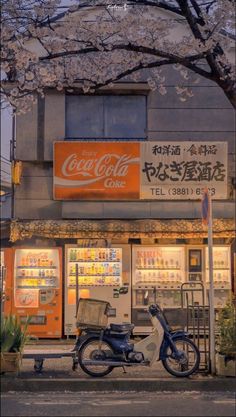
(183, 170)
(96, 170)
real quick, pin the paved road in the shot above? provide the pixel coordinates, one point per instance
(118, 404)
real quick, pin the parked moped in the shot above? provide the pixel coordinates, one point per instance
(100, 351)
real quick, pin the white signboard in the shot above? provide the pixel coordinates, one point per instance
(183, 170)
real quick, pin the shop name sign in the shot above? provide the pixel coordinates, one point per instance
(96, 170)
(183, 170)
(134, 170)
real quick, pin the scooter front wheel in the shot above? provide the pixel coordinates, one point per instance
(94, 350)
(186, 362)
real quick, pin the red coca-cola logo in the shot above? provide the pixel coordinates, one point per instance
(107, 165)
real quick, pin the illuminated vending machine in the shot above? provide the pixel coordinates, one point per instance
(157, 271)
(5, 279)
(37, 290)
(103, 274)
(221, 275)
(2, 281)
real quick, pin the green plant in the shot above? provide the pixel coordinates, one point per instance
(227, 331)
(12, 336)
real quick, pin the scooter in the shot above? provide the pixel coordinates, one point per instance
(100, 351)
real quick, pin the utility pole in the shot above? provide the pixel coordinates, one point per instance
(207, 219)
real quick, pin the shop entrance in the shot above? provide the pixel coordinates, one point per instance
(194, 303)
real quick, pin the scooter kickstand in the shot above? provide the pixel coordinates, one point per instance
(124, 370)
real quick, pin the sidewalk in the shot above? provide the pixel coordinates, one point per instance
(57, 375)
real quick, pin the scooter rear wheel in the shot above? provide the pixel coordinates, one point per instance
(94, 349)
(188, 361)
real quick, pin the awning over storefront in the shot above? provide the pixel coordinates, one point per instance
(108, 229)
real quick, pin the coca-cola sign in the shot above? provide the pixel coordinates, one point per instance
(96, 170)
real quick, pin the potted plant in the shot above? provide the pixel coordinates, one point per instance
(12, 340)
(226, 341)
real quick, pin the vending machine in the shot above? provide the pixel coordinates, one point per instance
(2, 281)
(103, 274)
(37, 290)
(5, 277)
(157, 271)
(221, 275)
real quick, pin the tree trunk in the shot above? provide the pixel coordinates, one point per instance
(229, 90)
(231, 95)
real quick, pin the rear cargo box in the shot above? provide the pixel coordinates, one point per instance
(92, 313)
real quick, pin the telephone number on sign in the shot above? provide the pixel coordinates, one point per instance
(190, 191)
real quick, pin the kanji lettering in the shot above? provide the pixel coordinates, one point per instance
(185, 171)
(166, 150)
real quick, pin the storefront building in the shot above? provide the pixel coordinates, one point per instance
(110, 200)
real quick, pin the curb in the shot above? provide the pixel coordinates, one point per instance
(101, 384)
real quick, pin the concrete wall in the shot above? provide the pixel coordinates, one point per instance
(5, 206)
(207, 116)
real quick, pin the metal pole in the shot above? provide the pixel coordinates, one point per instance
(211, 291)
(76, 287)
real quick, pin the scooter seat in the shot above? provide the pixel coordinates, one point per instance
(124, 327)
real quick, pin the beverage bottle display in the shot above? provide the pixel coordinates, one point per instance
(151, 297)
(149, 261)
(118, 255)
(96, 255)
(138, 260)
(139, 297)
(88, 254)
(99, 255)
(144, 260)
(141, 260)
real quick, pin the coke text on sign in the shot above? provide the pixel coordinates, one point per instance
(96, 170)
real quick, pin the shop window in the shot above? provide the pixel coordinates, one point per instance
(111, 117)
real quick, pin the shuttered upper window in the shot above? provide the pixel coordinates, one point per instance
(99, 117)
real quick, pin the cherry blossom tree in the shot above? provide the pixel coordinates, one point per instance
(92, 44)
